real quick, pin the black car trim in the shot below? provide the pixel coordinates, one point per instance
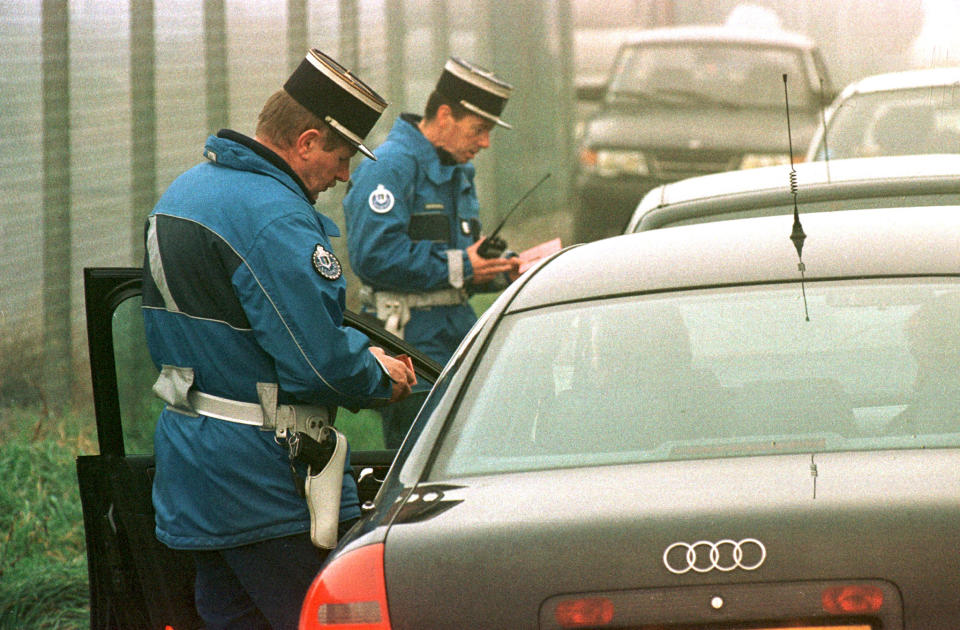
(103, 296)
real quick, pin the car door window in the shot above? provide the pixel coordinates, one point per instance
(139, 408)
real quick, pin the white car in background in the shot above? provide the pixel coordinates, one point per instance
(897, 113)
(880, 182)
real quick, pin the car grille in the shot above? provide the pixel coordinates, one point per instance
(673, 165)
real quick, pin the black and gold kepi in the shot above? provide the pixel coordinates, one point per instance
(476, 89)
(337, 97)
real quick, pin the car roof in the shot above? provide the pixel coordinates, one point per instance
(837, 179)
(906, 79)
(719, 34)
(856, 243)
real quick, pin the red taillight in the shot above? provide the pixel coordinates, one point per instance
(852, 599)
(586, 611)
(349, 594)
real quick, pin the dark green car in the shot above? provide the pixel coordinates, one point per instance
(686, 101)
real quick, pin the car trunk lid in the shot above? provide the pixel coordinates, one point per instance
(490, 551)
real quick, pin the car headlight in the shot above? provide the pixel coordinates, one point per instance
(613, 162)
(756, 160)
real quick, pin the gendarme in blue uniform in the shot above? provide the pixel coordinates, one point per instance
(254, 295)
(406, 214)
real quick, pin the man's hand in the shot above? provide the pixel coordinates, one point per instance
(486, 269)
(401, 374)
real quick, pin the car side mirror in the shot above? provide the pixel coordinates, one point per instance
(590, 92)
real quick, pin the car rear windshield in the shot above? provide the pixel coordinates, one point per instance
(698, 73)
(896, 122)
(717, 373)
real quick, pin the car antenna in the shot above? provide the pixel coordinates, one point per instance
(823, 121)
(796, 235)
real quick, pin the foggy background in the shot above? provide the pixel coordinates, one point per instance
(104, 102)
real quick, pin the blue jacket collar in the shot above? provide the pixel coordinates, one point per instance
(440, 169)
(237, 151)
(222, 150)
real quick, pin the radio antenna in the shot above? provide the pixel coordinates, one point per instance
(496, 230)
(494, 246)
(796, 235)
(823, 121)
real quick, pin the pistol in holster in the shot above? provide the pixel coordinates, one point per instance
(325, 459)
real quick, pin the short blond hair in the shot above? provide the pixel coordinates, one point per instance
(283, 119)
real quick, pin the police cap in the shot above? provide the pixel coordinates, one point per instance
(476, 89)
(337, 97)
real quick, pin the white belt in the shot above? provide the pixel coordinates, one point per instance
(393, 307)
(175, 387)
(252, 413)
(440, 297)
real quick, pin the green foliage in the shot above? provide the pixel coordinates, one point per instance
(482, 301)
(43, 568)
(42, 593)
(363, 429)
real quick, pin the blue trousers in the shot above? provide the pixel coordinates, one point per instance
(260, 586)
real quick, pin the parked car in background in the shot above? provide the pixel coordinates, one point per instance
(686, 101)
(135, 581)
(691, 439)
(882, 182)
(897, 113)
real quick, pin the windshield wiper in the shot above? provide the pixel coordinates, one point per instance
(671, 96)
(702, 97)
(656, 96)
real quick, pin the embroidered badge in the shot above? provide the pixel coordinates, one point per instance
(381, 200)
(326, 263)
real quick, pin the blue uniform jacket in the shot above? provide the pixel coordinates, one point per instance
(257, 297)
(403, 213)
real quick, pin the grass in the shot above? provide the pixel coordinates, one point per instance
(43, 567)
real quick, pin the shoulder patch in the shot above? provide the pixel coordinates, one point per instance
(326, 264)
(381, 200)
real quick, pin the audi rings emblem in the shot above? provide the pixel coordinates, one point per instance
(704, 556)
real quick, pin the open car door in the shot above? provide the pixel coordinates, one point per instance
(135, 581)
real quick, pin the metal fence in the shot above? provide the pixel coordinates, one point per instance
(104, 102)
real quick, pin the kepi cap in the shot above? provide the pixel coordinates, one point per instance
(476, 89)
(340, 99)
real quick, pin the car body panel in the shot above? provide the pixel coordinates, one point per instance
(658, 260)
(838, 184)
(583, 530)
(729, 132)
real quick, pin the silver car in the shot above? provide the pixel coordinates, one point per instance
(897, 113)
(686, 429)
(821, 186)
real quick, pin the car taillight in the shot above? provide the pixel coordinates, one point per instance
(852, 599)
(584, 611)
(350, 593)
